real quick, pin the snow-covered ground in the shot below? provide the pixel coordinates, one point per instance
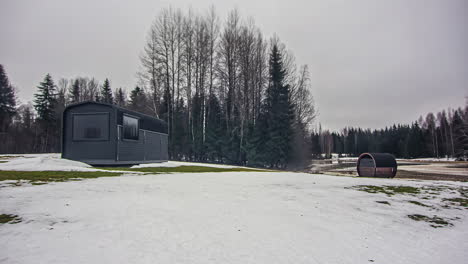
(43, 162)
(230, 217)
(417, 159)
(433, 159)
(437, 168)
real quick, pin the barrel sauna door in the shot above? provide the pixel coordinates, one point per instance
(366, 167)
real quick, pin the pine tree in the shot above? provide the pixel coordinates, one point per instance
(415, 141)
(198, 146)
(179, 134)
(214, 130)
(45, 103)
(137, 100)
(7, 100)
(460, 134)
(106, 93)
(279, 112)
(120, 97)
(256, 142)
(315, 145)
(75, 92)
(45, 100)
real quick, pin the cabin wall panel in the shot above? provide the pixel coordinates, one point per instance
(130, 150)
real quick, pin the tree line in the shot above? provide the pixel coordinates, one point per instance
(440, 135)
(227, 93)
(35, 127)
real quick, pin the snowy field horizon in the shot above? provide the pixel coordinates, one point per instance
(148, 215)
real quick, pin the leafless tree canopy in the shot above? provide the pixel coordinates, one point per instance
(191, 57)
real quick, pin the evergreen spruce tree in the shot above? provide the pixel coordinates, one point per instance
(45, 100)
(106, 93)
(75, 92)
(7, 100)
(315, 145)
(45, 103)
(165, 106)
(415, 142)
(279, 112)
(214, 130)
(197, 114)
(137, 100)
(460, 133)
(256, 151)
(179, 134)
(120, 97)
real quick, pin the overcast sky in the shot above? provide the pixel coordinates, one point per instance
(373, 62)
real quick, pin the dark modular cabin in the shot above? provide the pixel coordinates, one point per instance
(104, 134)
(377, 165)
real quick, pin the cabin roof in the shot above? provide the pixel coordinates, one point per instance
(147, 122)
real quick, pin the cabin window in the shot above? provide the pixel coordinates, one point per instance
(91, 127)
(130, 127)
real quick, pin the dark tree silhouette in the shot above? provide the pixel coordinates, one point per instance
(106, 93)
(7, 100)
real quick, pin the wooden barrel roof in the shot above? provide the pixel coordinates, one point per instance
(380, 159)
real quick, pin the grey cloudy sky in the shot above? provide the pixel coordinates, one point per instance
(373, 62)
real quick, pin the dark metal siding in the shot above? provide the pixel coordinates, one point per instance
(152, 143)
(131, 150)
(88, 150)
(164, 147)
(150, 146)
(153, 146)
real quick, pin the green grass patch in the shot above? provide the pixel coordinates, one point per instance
(180, 169)
(43, 177)
(39, 177)
(463, 191)
(6, 157)
(383, 202)
(387, 189)
(419, 203)
(9, 218)
(3, 161)
(435, 221)
(458, 201)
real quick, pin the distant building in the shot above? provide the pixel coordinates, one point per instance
(104, 134)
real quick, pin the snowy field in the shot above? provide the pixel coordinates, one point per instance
(444, 169)
(53, 162)
(229, 217)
